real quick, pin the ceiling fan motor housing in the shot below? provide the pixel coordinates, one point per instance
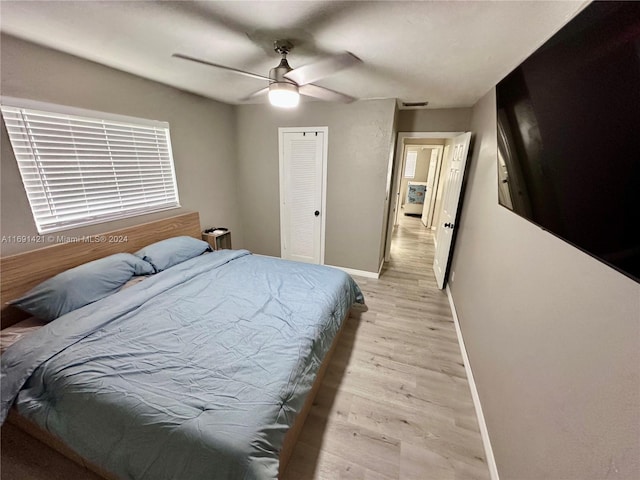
(278, 73)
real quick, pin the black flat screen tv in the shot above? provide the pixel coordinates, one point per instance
(569, 135)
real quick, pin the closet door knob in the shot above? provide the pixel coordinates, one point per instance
(316, 213)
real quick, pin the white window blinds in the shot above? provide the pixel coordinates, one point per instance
(410, 164)
(89, 168)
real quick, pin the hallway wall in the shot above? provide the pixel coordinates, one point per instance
(552, 336)
(434, 120)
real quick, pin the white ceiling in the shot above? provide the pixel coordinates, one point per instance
(449, 53)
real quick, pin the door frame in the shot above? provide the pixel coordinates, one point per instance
(446, 153)
(403, 164)
(323, 200)
(398, 159)
(434, 188)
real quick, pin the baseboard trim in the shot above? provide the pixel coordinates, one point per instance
(359, 273)
(484, 433)
(350, 271)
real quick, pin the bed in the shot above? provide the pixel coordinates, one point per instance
(204, 370)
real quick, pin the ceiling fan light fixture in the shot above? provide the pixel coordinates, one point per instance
(284, 95)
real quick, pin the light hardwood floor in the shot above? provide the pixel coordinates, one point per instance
(395, 402)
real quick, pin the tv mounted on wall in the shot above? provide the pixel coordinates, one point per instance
(569, 135)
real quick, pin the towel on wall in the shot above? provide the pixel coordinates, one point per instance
(416, 194)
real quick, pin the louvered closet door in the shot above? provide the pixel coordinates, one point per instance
(301, 184)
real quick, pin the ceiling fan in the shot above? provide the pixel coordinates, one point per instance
(286, 84)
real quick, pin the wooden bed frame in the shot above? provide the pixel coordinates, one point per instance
(23, 271)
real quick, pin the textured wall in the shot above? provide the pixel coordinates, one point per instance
(552, 336)
(434, 120)
(202, 134)
(360, 140)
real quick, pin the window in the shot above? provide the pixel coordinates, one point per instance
(410, 164)
(81, 167)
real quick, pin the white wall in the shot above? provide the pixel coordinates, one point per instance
(553, 337)
(202, 134)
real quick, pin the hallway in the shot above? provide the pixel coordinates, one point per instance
(395, 402)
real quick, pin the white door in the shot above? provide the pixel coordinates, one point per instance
(302, 193)
(447, 221)
(427, 209)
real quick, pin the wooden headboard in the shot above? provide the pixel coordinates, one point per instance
(23, 271)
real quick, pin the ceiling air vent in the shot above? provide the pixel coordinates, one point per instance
(414, 104)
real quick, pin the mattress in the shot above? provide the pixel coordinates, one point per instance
(10, 335)
(197, 372)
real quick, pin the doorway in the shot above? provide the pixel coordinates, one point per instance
(420, 170)
(441, 139)
(445, 141)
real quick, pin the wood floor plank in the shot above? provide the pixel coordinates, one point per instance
(345, 440)
(395, 402)
(314, 462)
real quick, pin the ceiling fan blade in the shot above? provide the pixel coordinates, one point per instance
(211, 64)
(262, 91)
(322, 68)
(324, 94)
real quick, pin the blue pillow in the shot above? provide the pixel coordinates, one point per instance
(79, 286)
(170, 252)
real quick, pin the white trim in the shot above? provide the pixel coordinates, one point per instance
(359, 273)
(325, 161)
(323, 201)
(350, 271)
(380, 268)
(484, 433)
(434, 188)
(403, 135)
(81, 112)
(280, 186)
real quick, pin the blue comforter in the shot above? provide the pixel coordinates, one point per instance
(196, 373)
